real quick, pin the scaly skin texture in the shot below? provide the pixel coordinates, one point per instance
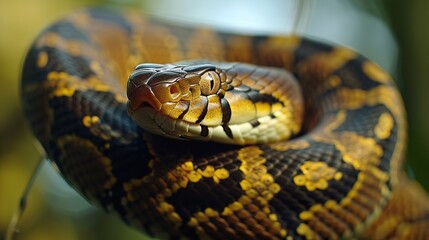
(340, 178)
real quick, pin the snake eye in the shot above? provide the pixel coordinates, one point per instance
(209, 83)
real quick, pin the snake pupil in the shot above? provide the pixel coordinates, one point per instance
(211, 82)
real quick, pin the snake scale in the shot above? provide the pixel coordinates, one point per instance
(339, 176)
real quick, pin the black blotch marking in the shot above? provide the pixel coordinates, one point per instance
(68, 30)
(227, 130)
(353, 76)
(309, 48)
(204, 131)
(362, 121)
(184, 112)
(62, 61)
(254, 95)
(204, 112)
(257, 97)
(254, 123)
(226, 110)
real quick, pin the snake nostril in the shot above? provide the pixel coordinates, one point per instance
(145, 104)
(175, 91)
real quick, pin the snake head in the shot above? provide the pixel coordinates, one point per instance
(220, 102)
(158, 85)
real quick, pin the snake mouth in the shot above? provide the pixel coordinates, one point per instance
(143, 98)
(148, 112)
(158, 123)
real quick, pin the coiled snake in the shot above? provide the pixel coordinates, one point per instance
(214, 160)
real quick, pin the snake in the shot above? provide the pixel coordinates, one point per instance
(191, 133)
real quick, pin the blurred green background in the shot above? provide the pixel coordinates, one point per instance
(395, 34)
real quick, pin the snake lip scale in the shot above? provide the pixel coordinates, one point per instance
(283, 137)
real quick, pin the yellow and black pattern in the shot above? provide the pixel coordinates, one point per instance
(340, 177)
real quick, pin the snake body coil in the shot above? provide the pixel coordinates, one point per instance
(340, 177)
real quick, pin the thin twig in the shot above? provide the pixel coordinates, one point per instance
(12, 228)
(303, 8)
